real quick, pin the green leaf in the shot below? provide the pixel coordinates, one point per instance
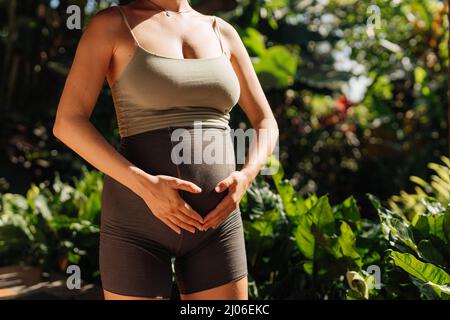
(347, 241)
(308, 266)
(432, 276)
(431, 224)
(276, 68)
(293, 204)
(323, 217)
(446, 225)
(428, 252)
(254, 42)
(304, 237)
(265, 224)
(348, 210)
(91, 209)
(394, 225)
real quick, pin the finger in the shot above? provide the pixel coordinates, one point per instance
(224, 184)
(220, 215)
(187, 210)
(182, 224)
(185, 218)
(171, 225)
(185, 185)
(218, 209)
(218, 219)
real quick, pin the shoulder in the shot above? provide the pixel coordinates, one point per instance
(226, 28)
(107, 20)
(103, 29)
(232, 38)
(229, 32)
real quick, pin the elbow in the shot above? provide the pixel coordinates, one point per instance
(274, 125)
(56, 130)
(65, 126)
(60, 126)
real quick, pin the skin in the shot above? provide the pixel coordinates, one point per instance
(104, 50)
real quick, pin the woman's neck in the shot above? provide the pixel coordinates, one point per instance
(171, 5)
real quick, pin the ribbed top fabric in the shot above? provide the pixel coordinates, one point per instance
(155, 91)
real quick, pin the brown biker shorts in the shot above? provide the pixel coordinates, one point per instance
(136, 248)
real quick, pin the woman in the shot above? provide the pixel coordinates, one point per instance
(169, 67)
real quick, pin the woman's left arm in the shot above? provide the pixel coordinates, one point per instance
(255, 105)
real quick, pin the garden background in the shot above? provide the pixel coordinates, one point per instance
(361, 104)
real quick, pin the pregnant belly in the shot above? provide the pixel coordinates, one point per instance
(202, 156)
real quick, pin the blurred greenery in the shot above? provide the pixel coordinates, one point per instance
(360, 110)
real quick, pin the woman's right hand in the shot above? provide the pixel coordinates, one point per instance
(160, 193)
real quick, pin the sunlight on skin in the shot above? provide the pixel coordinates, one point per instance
(235, 290)
(113, 296)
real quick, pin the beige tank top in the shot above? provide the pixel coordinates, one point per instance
(155, 91)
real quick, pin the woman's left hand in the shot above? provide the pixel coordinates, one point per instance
(237, 184)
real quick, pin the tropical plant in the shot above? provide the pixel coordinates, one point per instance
(302, 247)
(53, 225)
(420, 247)
(438, 190)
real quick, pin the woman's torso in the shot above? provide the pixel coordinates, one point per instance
(154, 91)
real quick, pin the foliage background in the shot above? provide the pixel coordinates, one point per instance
(359, 112)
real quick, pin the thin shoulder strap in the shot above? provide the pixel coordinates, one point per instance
(219, 35)
(122, 13)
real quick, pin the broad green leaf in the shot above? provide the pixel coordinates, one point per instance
(428, 252)
(428, 273)
(308, 267)
(265, 224)
(293, 204)
(254, 42)
(91, 210)
(276, 68)
(304, 238)
(347, 241)
(431, 224)
(322, 216)
(394, 225)
(348, 211)
(446, 225)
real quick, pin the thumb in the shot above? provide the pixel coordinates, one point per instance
(224, 184)
(185, 185)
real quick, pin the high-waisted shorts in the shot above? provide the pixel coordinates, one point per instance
(137, 249)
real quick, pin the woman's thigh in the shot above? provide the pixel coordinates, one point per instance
(114, 296)
(234, 290)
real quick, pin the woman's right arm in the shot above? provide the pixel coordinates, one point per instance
(72, 126)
